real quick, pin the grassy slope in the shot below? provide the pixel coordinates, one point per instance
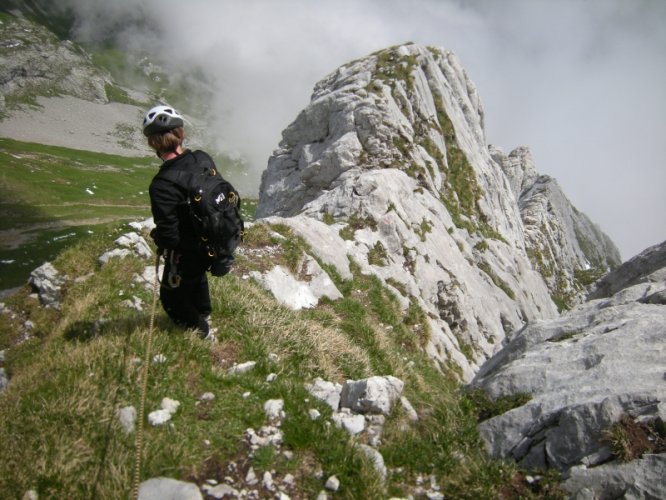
(79, 366)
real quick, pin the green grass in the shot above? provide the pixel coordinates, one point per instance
(57, 416)
(46, 202)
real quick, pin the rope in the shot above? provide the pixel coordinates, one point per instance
(144, 386)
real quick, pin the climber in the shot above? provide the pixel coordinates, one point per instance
(184, 291)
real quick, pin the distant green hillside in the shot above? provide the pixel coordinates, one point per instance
(50, 197)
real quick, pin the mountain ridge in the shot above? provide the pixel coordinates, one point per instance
(393, 147)
(385, 188)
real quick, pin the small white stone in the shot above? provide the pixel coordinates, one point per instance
(314, 414)
(332, 483)
(409, 409)
(289, 479)
(170, 405)
(207, 396)
(267, 481)
(127, 418)
(159, 358)
(273, 408)
(223, 491)
(271, 377)
(30, 495)
(242, 368)
(159, 417)
(251, 477)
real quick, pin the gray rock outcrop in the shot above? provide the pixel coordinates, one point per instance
(33, 61)
(374, 395)
(585, 371)
(166, 488)
(388, 166)
(638, 269)
(47, 282)
(563, 244)
(296, 293)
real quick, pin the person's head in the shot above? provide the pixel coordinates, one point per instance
(163, 127)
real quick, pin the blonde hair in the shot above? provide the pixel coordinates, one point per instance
(165, 142)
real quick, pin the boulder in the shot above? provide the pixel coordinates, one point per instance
(641, 478)
(638, 269)
(296, 293)
(585, 371)
(47, 282)
(165, 488)
(374, 395)
(328, 392)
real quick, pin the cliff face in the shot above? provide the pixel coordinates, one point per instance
(389, 165)
(33, 61)
(563, 244)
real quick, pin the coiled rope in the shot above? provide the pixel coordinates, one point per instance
(144, 385)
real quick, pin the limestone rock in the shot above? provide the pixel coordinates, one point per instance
(222, 491)
(374, 395)
(274, 409)
(127, 418)
(165, 488)
(562, 243)
(33, 59)
(388, 166)
(641, 478)
(168, 407)
(136, 243)
(47, 281)
(129, 244)
(352, 423)
(242, 368)
(332, 483)
(159, 417)
(376, 458)
(636, 270)
(328, 392)
(584, 371)
(299, 294)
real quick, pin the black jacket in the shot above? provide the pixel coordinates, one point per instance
(168, 201)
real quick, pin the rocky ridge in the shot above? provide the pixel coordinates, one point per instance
(595, 380)
(33, 61)
(563, 244)
(389, 163)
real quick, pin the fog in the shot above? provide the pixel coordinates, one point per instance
(582, 83)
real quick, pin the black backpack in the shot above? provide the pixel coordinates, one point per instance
(214, 206)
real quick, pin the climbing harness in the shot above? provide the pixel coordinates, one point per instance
(144, 384)
(173, 279)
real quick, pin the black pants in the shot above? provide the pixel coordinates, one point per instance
(184, 293)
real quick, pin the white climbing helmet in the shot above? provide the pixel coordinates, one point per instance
(161, 119)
